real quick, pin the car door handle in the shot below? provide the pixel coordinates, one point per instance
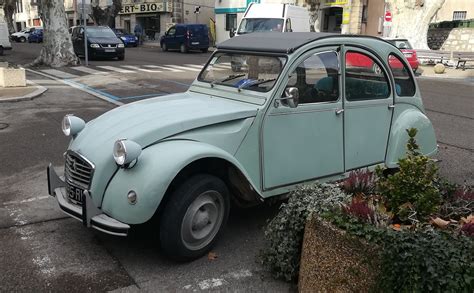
(390, 107)
(339, 111)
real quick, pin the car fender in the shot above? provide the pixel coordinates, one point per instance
(405, 118)
(156, 168)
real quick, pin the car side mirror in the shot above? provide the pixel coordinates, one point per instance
(290, 99)
(232, 32)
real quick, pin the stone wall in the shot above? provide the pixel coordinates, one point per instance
(451, 39)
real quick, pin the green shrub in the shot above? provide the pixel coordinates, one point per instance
(284, 234)
(411, 193)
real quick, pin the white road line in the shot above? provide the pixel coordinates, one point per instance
(163, 68)
(116, 69)
(87, 70)
(7, 203)
(183, 68)
(195, 66)
(140, 69)
(59, 73)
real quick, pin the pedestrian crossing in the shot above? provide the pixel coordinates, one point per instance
(79, 71)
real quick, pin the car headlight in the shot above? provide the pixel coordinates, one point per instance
(121, 45)
(95, 46)
(72, 125)
(136, 38)
(123, 38)
(126, 152)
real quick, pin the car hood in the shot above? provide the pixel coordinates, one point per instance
(147, 122)
(104, 40)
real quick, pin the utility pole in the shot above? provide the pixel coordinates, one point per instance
(196, 12)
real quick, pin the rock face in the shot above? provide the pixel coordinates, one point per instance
(439, 68)
(332, 261)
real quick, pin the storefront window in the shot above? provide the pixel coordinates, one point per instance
(230, 21)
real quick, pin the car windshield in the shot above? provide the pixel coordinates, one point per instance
(243, 71)
(100, 32)
(250, 25)
(401, 44)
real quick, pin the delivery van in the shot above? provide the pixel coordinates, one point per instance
(4, 41)
(273, 17)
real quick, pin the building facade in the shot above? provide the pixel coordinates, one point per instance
(26, 15)
(455, 10)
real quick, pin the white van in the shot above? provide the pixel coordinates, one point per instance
(4, 41)
(273, 17)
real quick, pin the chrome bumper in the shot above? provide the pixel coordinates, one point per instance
(88, 213)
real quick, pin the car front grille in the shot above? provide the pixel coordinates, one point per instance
(106, 46)
(78, 171)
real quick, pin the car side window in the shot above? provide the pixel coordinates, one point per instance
(365, 80)
(317, 78)
(404, 84)
(172, 31)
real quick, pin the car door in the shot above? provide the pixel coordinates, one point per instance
(78, 40)
(170, 38)
(305, 142)
(368, 104)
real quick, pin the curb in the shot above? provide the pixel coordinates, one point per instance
(76, 86)
(38, 92)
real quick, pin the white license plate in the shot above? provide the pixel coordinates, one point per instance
(109, 50)
(195, 43)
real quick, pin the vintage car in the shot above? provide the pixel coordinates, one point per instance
(294, 113)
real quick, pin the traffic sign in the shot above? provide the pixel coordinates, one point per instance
(388, 16)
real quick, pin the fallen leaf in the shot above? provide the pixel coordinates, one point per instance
(468, 219)
(439, 222)
(212, 256)
(396, 227)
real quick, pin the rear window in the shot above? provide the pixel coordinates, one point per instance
(401, 44)
(197, 29)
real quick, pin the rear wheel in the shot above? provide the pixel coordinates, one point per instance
(194, 217)
(183, 48)
(204, 50)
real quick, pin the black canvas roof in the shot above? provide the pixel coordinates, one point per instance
(271, 41)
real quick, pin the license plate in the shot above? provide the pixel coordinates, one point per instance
(74, 193)
(109, 50)
(195, 43)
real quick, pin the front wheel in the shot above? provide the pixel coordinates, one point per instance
(121, 57)
(183, 48)
(164, 47)
(22, 39)
(194, 217)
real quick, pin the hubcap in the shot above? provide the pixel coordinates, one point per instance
(202, 220)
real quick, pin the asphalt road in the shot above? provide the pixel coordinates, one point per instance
(42, 250)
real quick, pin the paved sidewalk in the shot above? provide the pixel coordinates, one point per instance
(428, 71)
(13, 94)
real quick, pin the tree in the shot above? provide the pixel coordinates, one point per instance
(57, 48)
(105, 15)
(9, 9)
(411, 19)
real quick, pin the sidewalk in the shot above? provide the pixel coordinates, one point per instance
(450, 72)
(14, 94)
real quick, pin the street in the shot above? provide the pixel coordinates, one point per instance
(44, 250)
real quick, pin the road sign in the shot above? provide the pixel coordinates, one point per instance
(388, 16)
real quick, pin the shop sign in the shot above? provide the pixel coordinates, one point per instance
(146, 7)
(346, 17)
(334, 2)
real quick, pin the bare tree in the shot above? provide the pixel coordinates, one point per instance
(105, 15)
(57, 48)
(411, 19)
(9, 9)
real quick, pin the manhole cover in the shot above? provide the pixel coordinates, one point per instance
(3, 126)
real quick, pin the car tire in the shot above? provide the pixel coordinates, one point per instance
(205, 50)
(164, 48)
(194, 217)
(121, 57)
(135, 45)
(183, 48)
(22, 39)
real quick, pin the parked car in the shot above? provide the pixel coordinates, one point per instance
(407, 50)
(185, 37)
(101, 42)
(4, 41)
(36, 36)
(127, 38)
(22, 36)
(293, 114)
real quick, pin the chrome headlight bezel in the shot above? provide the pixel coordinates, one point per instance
(126, 152)
(95, 46)
(120, 46)
(72, 125)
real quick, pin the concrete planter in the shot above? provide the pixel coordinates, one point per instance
(12, 77)
(333, 261)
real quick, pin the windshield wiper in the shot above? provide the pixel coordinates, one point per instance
(230, 77)
(256, 82)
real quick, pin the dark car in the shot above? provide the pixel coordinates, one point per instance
(127, 38)
(101, 42)
(185, 37)
(36, 36)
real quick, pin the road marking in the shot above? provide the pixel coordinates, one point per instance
(116, 69)
(183, 68)
(164, 68)
(87, 70)
(13, 202)
(195, 66)
(210, 283)
(59, 73)
(140, 69)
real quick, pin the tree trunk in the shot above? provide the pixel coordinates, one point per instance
(105, 15)
(57, 48)
(411, 19)
(313, 9)
(9, 9)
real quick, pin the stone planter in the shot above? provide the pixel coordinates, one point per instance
(12, 77)
(332, 261)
